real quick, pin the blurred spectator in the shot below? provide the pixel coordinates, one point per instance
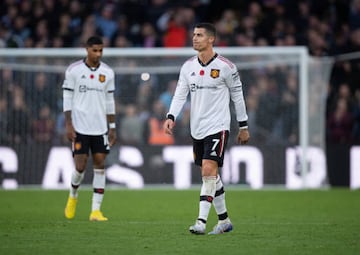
(301, 20)
(77, 16)
(154, 128)
(123, 30)
(64, 33)
(317, 44)
(149, 37)
(226, 27)
(268, 102)
(88, 29)
(289, 110)
(20, 30)
(51, 15)
(18, 127)
(7, 39)
(41, 36)
(144, 99)
(60, 130)
(25, 8)
(343, 92)
(166, 96)
(340, 43)
(105, 22)
(354, 15)
(340, 124)
(10, 15)
(182, 133)
(6, 81)
(131, 127)
(122, 41)
(43, 126)
(156, 9)
(40, 93)
(176, 34)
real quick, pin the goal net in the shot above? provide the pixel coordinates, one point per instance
(284, 89)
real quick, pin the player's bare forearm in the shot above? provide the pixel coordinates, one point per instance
(243, 136)
(112, 129)
(112, 136)
(70, 131)
(110, 118)
(168, 126)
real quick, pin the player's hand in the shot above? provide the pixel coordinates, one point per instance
(112, 136)
(243, 136)
(168, 126)
(70, 132)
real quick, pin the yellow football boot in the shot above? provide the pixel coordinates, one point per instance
(70, 208)
(97, 216)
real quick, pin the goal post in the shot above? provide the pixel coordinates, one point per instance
(284, 88)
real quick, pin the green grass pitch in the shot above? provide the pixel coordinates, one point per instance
(156, 222)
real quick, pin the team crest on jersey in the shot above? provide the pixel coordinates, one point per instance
(215, 73)
(77, 146)
(102, 78)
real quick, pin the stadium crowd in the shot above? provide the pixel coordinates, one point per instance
(326, 27)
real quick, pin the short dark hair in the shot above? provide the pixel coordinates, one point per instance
(210, 28)
(94, 40)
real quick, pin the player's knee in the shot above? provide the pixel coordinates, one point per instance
(99, 165)
(209, 168)
(80, 167)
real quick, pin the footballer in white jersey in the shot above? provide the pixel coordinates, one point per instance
(92, 96)
(213, 82)
(211, 87)
(89, 108)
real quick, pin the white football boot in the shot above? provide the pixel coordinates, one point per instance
(222, 227)
(198, 228)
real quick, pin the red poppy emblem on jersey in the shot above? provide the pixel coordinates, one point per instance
(91, 76)
(215, 73)
(202, 72)
(102, 78)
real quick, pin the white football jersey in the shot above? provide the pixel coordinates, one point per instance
(90, 88)
(211, 87)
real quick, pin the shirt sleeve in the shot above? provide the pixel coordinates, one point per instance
(180, 96)
(111, 86)
(69, 81)
(110, 100)
(68, 90)
(236, 93)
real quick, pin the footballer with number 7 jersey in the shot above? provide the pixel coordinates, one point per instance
(89, 108)
(212, 81)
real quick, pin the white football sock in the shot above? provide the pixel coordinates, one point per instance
(207, 194)
(76, 179)
(219, 199)
(99, 187)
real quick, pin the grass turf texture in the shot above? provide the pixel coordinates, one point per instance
(157, 221)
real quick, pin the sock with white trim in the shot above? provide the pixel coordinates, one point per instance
(99, 189)
(219, 200)
(76, 179)
(207, 194)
